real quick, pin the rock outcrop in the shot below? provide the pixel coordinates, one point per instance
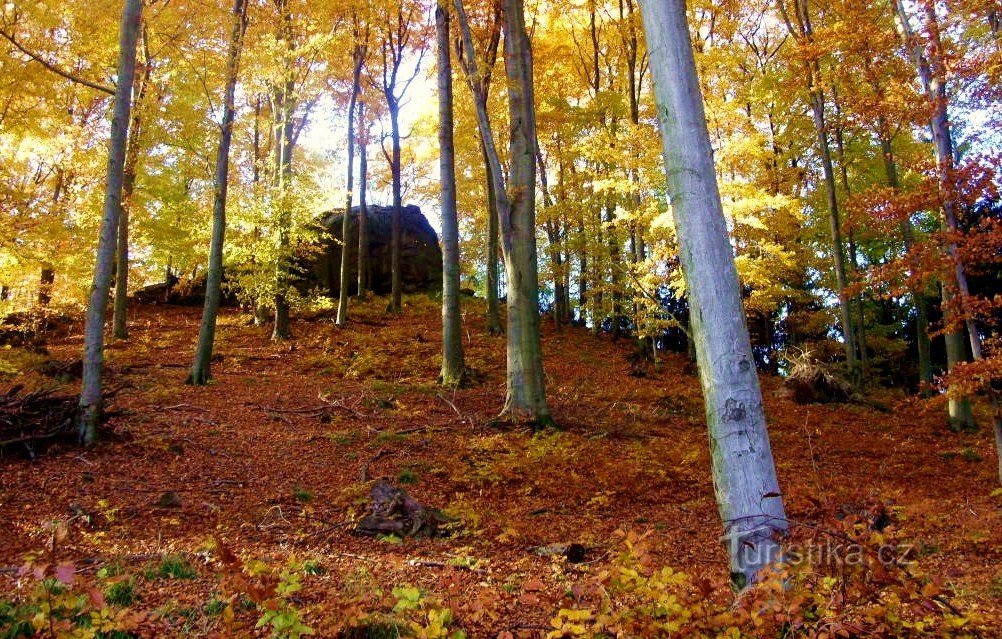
(420, 254)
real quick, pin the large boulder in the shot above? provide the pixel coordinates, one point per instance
(420, 254)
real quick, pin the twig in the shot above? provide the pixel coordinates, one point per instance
(379, 455)
(185, 407)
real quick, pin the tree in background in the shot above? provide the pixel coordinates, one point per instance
(200, 369)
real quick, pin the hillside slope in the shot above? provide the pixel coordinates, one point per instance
(277, 455)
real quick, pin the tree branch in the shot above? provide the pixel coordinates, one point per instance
(55, 69)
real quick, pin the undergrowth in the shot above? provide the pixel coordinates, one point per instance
(853, 576)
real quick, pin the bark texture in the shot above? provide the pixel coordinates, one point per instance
(744, 474)
(525, 386)
(200, 368)
(359, 60)
(453, 366)
(93, 355)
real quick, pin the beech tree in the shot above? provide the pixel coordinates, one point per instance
(399, 33)
(453, 366)
(358, 61)
(120, 328)
(930, 67)
(93, 355)
(744, 474)
(200, 368)
(803, 34)
(516, 206)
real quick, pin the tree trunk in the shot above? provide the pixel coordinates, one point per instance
(494, 326)
(363, 178)
(453, 366)
(120, 328)
(932, 74)
(200, 369)
(93, 355)
(395, 230)
(526, 392)
(804, 34)
(744, 475)
(284, 108)
(342, 304)
(922, 341)
(45, 281)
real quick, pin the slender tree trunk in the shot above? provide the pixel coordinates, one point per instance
(200, 369)
(526, 391)
(285, 107)
(120, 328)
(363, 179)
(932, 73)
(45, 281)
(552, 227)
(93, 355)
(804, 33)
(748, 494)
(860, 331)
(453, 365)
(342, 305)
(395, 230)
(583, 298)
(479, 81)
(494, 326)
(922, 341)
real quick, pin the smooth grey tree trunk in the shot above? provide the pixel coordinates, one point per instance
(394, 47)
(744, 474)
(284, 107)
(525, 385)
(201, 367)
(395, 231)
(494, 326)
(91, 398)
(356, 79)
(479, 80)
(453, 365)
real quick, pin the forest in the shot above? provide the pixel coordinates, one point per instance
(501, 318)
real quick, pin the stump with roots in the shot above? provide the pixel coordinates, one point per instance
(812, 381)
(394, 512)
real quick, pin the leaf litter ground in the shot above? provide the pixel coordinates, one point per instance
(277, 455)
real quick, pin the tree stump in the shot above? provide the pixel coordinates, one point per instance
(394, 512)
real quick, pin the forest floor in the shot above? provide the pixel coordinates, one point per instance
(249, 462)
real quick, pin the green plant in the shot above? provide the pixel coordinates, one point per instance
(302, 495)
(407, 476)
(172, 567)
(60, 604)
(424, 617)
(215, 607)
(970, 455)
(121, 593)
(270, 590)
(281, 616)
